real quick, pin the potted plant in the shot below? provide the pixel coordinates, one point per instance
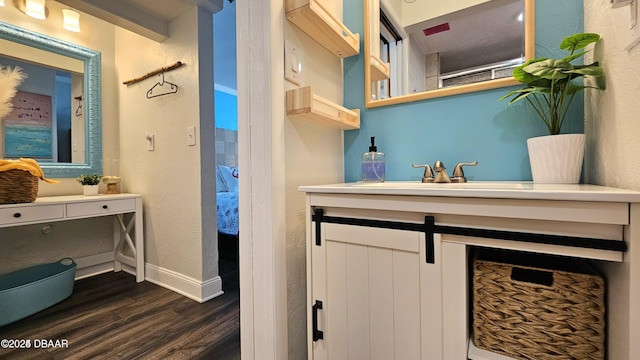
(550, 87)
(89, 183)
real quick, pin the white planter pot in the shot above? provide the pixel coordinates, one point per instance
(90, 189)
(556, 159)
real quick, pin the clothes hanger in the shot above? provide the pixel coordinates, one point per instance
(79, 109)
(162, 88)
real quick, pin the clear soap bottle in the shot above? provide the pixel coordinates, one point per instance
(373, 164)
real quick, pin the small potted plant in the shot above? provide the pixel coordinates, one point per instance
(89, 183)
(550, 87)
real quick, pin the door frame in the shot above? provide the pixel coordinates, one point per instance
(262, 247)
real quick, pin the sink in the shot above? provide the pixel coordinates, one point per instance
(480, 185)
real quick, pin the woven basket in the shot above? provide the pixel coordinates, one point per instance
(527, 312)
(17, 186)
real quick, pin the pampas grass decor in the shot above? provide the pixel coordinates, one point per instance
(9, 81)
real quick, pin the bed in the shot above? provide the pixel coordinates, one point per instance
(227, 210)
(227, 199)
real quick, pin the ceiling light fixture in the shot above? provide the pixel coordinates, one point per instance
(33, 8)
(71, 20)
(1, 2)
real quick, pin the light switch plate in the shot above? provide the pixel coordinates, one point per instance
(292, 63)
(191, 135)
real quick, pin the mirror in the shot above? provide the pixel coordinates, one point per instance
(63, 86)
(442, 48)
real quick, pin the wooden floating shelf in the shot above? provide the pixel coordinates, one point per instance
(316, 22)
(379, 69)
(303, 104)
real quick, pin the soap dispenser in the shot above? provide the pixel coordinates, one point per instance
(373, 164)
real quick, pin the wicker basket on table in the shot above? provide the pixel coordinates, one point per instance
(17, 186)
(19, 180)
(533, 312)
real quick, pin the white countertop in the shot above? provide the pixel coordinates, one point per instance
(483, 189)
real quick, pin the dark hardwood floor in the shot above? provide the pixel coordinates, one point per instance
(110, 316)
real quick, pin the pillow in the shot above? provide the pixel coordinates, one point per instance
(221, 185)
(230, 177)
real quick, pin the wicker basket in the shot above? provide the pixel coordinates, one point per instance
(531, 312)
(17, 186)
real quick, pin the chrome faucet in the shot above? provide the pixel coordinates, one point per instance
(441, 175)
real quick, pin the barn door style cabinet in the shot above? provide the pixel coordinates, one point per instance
(374, 294)
(388, 265)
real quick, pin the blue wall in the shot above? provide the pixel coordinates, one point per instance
(224, 44)
(226, 110)
(224, 69)
(461, 128)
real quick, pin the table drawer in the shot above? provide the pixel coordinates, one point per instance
(101, 207)
(31, 213)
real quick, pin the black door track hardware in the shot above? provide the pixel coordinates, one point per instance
(429, 227)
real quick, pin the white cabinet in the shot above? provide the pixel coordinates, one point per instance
(388, 269)
(379, 297)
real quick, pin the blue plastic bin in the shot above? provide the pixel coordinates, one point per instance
(27, 291)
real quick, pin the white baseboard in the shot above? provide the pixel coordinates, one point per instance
(93, 265)
(194, 289)
(184, 285)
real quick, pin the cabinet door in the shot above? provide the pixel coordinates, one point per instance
(380, 299)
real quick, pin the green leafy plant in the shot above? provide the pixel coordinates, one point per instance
(93, 179)
(551, 83)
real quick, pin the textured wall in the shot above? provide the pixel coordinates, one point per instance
(98, 35)
(26, 245)
(459, 128)
(313, 155)
(168, 177)
(612, 125)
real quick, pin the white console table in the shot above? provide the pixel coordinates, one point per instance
(73, 207)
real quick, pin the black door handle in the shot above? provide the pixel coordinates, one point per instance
(317, 334)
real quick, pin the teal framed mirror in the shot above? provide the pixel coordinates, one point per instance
(84, 99)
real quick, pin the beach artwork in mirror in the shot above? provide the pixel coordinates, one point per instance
(56, 110)
(47, 122)
(416, 50)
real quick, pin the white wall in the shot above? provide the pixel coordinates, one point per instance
(95, 34)
(179, 250)
(178, 247)
(313, 155)
(612, 125)
(27, 245)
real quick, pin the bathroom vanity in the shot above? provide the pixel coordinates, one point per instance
(388, 263)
